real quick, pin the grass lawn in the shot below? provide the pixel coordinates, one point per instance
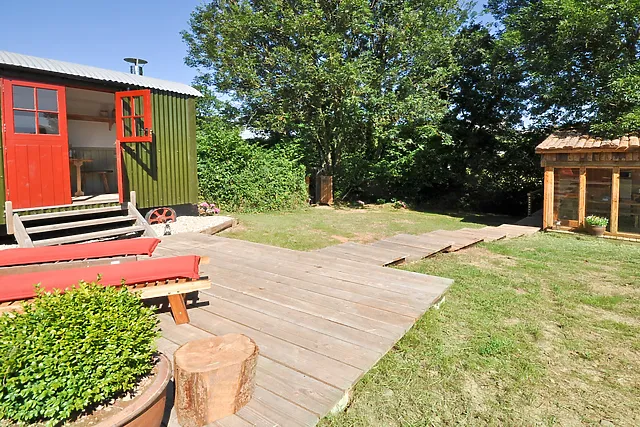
(318, 227)
(542, 330)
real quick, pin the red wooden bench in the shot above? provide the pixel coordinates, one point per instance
(172, 277)
(27, 260)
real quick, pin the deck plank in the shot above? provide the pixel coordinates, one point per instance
(364, 340)
(311, 394)
(397, 281)
(299, 334)
(374, 255)
(403, 294)
(320, 321)
(460, 240)
(392, 276)
(316, 365)
(294, 294)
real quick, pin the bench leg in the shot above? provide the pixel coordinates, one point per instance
(178, 309)
(105, 182)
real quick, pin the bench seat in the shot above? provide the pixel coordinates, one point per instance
(173, 277)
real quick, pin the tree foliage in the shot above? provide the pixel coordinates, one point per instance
(341, 78)
(413, 99)
(240, 176)
(581, 58)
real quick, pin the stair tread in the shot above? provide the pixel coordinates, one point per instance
(89, 236)
(79, 224)
(76, 212)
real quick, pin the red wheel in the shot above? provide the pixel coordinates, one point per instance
(160, 216)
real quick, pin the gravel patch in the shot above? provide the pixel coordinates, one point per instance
(192, 224)
(184, 224)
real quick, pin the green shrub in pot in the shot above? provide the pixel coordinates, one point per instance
(597, 221)
(68, 352)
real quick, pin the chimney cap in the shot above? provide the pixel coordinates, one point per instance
(136, 61)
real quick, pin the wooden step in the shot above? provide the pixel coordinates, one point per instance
(422, 242)
(485, 235)
(90, 236)
(413, 253)
(494, 232)
(71, 213)
(460, 240)
(368, 254)
(514, 230)
(79, 224)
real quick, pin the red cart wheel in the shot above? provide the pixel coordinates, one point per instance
(160, 216)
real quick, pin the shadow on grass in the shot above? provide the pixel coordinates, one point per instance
(471, 217)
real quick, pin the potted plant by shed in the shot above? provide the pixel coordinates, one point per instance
(597, 225)
(83, 357)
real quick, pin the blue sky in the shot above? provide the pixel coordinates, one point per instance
(102, 33)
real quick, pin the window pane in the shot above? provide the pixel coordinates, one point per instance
(139, 126)
(48, 123)
(139, 104)
(629, 210)
(127, 130)
(599, 192)
(47, 99)
(126, 106)
(24, 121)
(23, 97)
(566, 191)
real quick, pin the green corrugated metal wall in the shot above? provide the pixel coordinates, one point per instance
(164, 173)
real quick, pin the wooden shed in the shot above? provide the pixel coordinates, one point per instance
(585, 175)
(76, 135)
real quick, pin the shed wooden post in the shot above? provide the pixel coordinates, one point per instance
(214, 378)
(582, 196)
(615, 200)
(547, 211)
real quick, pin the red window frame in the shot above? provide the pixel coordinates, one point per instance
(146, 116)
(10, 115)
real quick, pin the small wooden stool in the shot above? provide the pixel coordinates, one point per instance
(214, 378)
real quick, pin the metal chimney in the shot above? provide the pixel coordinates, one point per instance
(136, 65)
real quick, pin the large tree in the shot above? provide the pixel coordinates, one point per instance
(343, 78)
(491, 156)
(581, 57)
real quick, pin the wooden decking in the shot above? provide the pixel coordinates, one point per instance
(321, 320)
(409, 247)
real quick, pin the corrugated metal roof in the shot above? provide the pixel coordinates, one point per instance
(572, 140)
(18, 60)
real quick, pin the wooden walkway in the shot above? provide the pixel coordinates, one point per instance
(321, 320)
(408, 247)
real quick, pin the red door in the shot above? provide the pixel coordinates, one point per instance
(36, 144)
(133, 125)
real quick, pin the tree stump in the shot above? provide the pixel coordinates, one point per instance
(214, 377)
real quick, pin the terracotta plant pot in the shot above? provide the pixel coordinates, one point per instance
(597, 230)
(146, 409)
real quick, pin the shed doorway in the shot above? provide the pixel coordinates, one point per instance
(92, 149)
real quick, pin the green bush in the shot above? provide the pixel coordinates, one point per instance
(240, 176)
(68, 352)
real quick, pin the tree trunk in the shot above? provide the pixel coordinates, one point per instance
(214, 378)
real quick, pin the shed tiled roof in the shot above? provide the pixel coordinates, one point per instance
(85, 72)
(572, 140)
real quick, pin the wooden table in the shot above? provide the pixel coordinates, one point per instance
(78, 164)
